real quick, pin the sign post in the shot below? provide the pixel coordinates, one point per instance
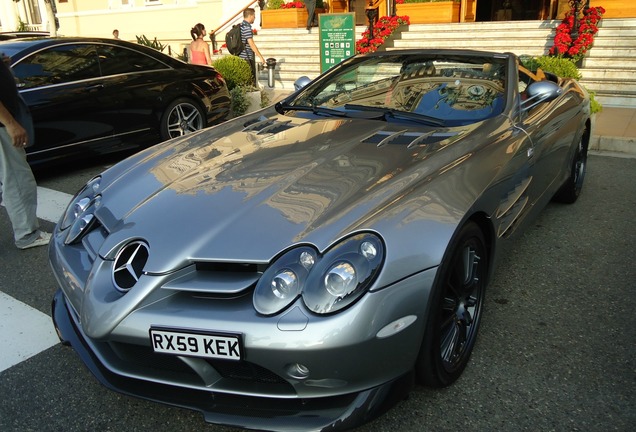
(337, 38)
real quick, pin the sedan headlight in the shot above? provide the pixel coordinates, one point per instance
(327, 283)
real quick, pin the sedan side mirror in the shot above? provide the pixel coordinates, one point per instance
(539, 92)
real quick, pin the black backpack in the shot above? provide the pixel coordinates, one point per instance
(233, 40)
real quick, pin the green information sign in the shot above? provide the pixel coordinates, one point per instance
(337, 38)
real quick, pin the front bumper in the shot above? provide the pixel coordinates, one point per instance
(250, 412)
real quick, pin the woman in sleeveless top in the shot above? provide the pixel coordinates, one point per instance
(199, 49)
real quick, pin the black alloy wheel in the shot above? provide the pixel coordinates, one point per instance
(455, 311)
(181, 117)
(571, 189)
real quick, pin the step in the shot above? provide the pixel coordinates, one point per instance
(617, 100)
(608, 67)
(606, 86)
(608, 74)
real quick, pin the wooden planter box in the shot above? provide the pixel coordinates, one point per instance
(427, 13)
(284, 18)
(338, 6)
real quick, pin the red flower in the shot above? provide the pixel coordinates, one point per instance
(588, 27)
(382, 30)
(293, 5)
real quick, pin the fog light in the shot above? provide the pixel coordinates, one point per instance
(297, 371)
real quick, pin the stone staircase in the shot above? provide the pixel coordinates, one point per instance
(609, 70)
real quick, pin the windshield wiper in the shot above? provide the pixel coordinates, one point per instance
(390, 112)
(318, 110)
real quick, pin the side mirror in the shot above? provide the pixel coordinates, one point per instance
(301, 82)
(539, 92)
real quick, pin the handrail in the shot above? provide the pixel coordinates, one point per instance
(227, 22)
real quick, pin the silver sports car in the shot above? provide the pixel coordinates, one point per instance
(299, 268)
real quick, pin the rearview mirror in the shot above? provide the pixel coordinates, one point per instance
(539, 92)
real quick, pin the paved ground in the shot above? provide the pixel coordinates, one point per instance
(556, 351)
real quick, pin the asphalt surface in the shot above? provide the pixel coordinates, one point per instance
(556, 350)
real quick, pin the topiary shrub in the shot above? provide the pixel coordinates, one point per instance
(557, 65)
(275, 4)
(235, 71)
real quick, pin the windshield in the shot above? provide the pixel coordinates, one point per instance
(455, 89)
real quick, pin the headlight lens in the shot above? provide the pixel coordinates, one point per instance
(327, 283)
(281, 283)
(82, 223)
(80, 202)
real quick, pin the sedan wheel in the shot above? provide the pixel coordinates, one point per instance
(181, 118)
(455, 310)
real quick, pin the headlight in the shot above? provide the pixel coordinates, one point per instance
(281, 283)
(80, 202)
(327, 283)
(84, 221)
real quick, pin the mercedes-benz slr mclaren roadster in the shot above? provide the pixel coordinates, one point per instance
(299, 268)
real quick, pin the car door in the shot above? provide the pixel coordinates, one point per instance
(63, 89)
(552, 128)
(135, 84)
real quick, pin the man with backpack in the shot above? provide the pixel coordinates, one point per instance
(247, 36)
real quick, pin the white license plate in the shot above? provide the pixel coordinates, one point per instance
(218, 346)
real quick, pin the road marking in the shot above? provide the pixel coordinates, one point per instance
(51, 204)
(24, 331)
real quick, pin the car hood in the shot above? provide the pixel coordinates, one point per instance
(248, 189)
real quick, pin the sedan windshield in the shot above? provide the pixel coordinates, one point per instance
(450, 90)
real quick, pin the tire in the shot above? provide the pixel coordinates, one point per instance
(455, 310)
(181, 117)
(571, 189)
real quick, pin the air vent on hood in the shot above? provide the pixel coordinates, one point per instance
(268, 126)
(408, 139)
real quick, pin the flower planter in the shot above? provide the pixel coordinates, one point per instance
(338, 6)
(284, 18)
(427, 13)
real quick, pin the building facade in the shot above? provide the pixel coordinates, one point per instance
(170, 21)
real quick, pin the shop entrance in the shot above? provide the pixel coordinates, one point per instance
(515, 10)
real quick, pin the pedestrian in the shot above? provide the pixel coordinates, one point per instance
(116, 34)
(311, 9)
(250, 51)
(18, 187)
(199, 49)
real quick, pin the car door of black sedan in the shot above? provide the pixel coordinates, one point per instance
(135, 84)
(63, 88)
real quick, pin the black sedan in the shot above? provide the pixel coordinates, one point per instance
(95, 96)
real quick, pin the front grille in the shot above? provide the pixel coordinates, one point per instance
(245, 371)
(236, 374)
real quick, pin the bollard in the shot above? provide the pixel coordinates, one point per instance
(271, 65)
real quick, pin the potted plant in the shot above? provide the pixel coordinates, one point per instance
(281, 14)
(429, 11)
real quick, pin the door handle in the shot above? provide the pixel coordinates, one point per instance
(92, 87)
